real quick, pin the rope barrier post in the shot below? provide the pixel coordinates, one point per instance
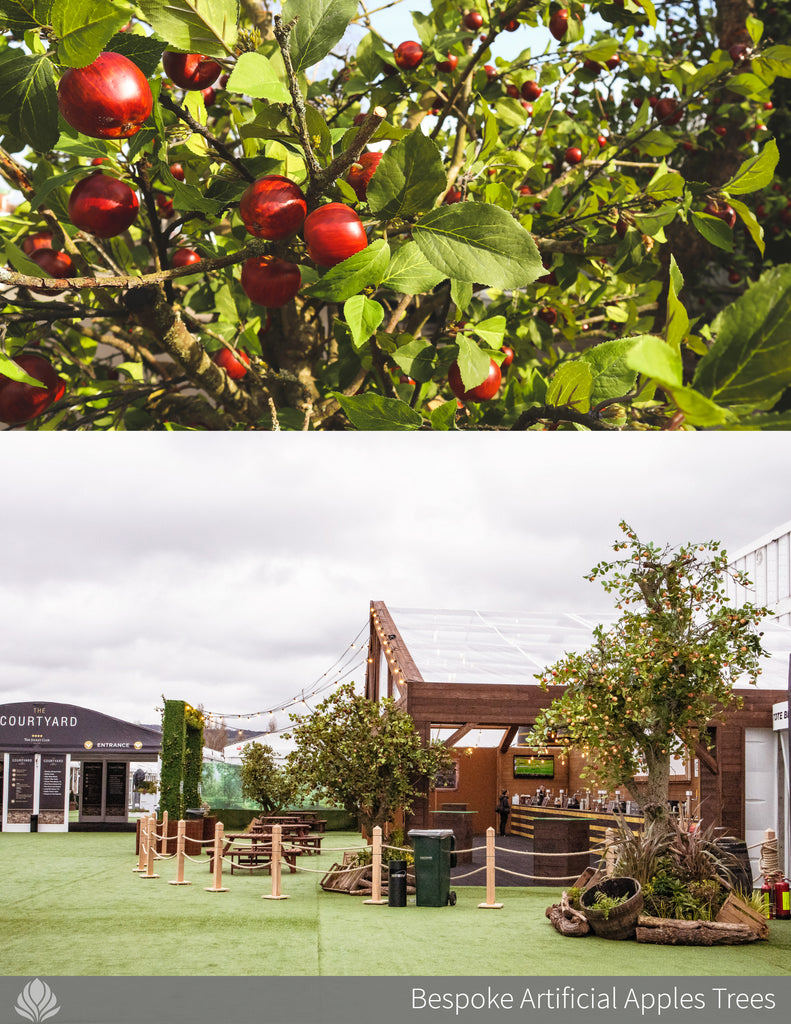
(490, 902)
(142, 842)
(179, 879)
(376, 864)
(164, 833)
(274, 866)
(151, 848)
(218, 844)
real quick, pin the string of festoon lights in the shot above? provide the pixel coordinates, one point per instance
(353, 657)
(386, 640)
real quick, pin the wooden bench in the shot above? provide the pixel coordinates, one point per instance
(254, 856)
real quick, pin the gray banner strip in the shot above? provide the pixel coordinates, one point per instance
(308, 1000)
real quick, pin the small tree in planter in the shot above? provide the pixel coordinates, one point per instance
(270, 785)
(646, 689)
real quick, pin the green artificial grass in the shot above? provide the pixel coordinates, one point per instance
(72, 904)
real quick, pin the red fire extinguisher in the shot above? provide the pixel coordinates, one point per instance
(782, 900)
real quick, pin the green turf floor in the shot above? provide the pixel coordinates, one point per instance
(71, 904)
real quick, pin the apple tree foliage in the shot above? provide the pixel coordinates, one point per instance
(602, 242)
(647, 687)
(368, 757)
(264, 781)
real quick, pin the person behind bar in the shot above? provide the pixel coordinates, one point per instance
(503, 809)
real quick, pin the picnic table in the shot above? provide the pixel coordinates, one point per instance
(250, 852)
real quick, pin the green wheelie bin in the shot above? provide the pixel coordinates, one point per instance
(434, 857)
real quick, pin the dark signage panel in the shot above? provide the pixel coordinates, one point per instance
(52, 787)
(21, 778)
(115, 798)
(92, 788)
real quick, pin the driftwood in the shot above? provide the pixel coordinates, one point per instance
(668, 931)
(565, 919)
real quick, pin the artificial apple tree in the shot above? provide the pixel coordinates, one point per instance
(410, 235)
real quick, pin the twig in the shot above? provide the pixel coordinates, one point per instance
(220, 148)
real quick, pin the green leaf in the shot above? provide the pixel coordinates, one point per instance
(352, 275)
(491, 331)
(29, 96)
(145, 51)
(612, 377)
(461, 295)
(363, 316)
(698, 410)
(677, 323)
(83, 27)
(209, 27)
(49, 185)
(8, 368)
(750, 222)
(755, 27)
(713, 230)
(21, 262)
(444, 416)
(418, 359)
(255, 76)
(473, 362)
(655, 359)
(754, 173)
(321, 25)
(750, 360)
(373, 412)
(776, 60)
(410, 272)
(318, 131)
(478, 243)
(571, 385)
(21, 15)
(408, 179)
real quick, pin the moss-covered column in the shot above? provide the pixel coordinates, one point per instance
(173, 741)
(193, 757)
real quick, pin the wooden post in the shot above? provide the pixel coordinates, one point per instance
(490, 902)
(179, 879)
(274, 866)
(151, 847)
(609, 851)
(218, 845)
(376, 864)
(141, 845)
(164, 833)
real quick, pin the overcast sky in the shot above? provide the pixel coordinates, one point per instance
(235, 570)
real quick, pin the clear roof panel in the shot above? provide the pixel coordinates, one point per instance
(458, 646)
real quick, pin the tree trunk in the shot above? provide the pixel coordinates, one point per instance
(652, 793)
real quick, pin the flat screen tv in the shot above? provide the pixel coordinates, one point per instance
(534, 766)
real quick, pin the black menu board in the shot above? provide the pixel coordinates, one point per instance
(115, 798)
(92, 788)
(21, 778)
(52, 786)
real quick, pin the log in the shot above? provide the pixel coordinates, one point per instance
(671, 932)
(565, 919)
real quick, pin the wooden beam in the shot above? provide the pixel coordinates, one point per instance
(704, 756)
(395, 649)
(451, 741)
(508, 739)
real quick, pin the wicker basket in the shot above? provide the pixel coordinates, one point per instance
(621, 921)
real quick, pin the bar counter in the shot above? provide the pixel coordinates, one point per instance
(523, 817)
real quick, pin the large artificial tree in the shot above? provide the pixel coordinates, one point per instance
(648, 687)
(575, 238)
(365, 756)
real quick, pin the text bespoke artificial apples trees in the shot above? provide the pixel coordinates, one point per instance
(596, 215)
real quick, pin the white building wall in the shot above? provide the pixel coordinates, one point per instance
(767, 561)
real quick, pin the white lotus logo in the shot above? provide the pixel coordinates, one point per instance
(37, 1002)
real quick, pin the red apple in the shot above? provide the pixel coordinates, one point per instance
(333, 233)
(511, 26)
(726, 213)
(20, 402)
(528, 107)
(56, 264)
(190, 70)
(559, 23)
(481, 392)
(453, 195)
(98, 160)
(602, 140)
(573, 155)
(209, 95)
(108, 99)
(509, 357)
(491, 71)
(548, 315)
(720, 130)
(41, 240)
(734, 277)
(739, 52)
(184, 257)
(102, 206)
(668, 111)
(512, 91)
(268, 281)
(448, 65)
(408, 55)
(360, 173)
(273, 207)
(472, 20)
(177, 171)
(358, 119)
(235, 367)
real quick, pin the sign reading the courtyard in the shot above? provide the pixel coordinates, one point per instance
(42, 725)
